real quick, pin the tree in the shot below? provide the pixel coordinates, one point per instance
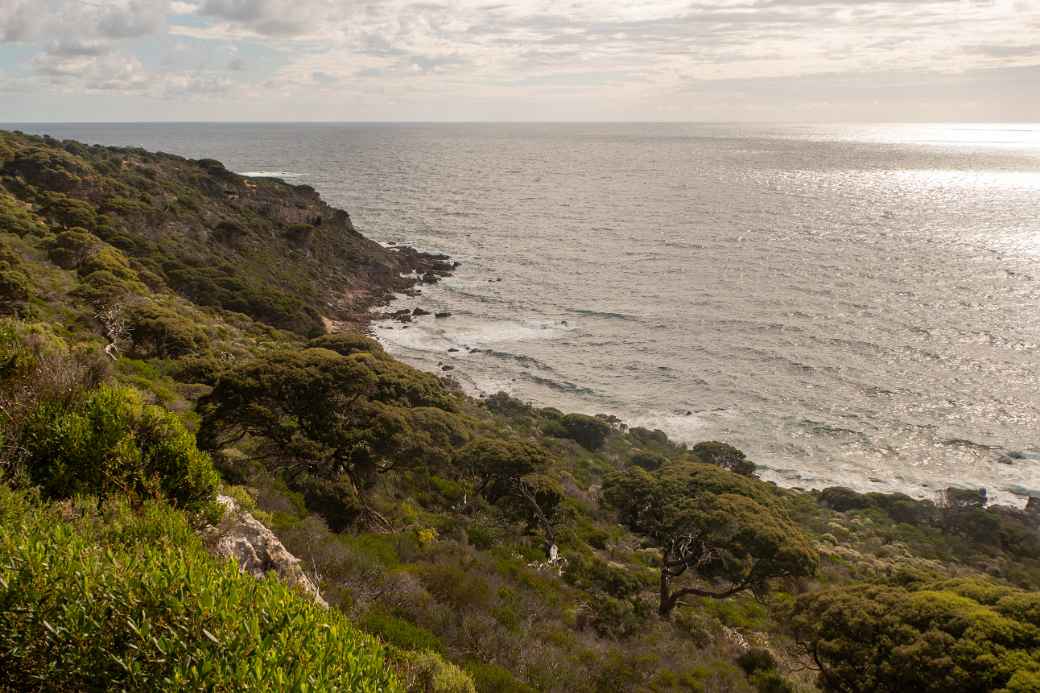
(732, 531)
(590, 432)
(725, 456)
(509, 475)
(958, 636)
(332, 423)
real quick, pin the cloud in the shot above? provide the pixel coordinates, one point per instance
(19, 20)
(479, 52)
(136, 18)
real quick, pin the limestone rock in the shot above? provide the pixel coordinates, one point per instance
(256, 549)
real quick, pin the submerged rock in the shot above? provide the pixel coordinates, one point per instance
(443, 314)
(256, 549)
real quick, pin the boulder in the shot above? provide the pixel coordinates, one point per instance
(256, 549)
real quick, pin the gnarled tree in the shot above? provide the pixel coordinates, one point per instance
(509, 475)
(729, 530)
(330, 423)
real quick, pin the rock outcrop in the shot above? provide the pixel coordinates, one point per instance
(256, 549)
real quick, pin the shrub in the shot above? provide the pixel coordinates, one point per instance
(956, 636)
(15, 291)
(161, 332)
(396, 631)
(491, 678)
(16, 217)
(70, 248)
(111, 442)
(725, 456)
(590, 432)
(841, 499)
(427, 672)
(133, 602)
(347, 343)
(647, 460)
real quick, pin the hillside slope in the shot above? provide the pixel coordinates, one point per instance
(165, 335)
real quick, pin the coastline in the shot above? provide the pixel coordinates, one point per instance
(681, 426)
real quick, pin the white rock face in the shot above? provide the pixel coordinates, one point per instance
(256, 549)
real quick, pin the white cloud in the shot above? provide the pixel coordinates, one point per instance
(475, 52)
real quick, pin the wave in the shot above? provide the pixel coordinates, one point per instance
(560, 385)
(602, 314)
(271, 174)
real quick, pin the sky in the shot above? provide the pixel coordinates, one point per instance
(519, 60)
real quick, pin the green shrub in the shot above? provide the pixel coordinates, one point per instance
(725, 456)
(16, 217)
(162, 332)
(647, 460)
(133, 602)
(70, 248)
(404, 634)
(15, 291)
(427, 672)
(111, 442)
(347, 343)
(491, 678)
(590, 432)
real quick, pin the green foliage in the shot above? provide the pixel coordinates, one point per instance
(725, 456)
(509, 476)
(730, 529)
(70, 248)
(15, 291)
(158, 331)
(400, 633)
(956, 636)
(125, 601)
(336, 420)
(347, 343)
(17, 218)
(491, 678)
(650, 461)
(588, 431)
(110, 442)
(427, 672)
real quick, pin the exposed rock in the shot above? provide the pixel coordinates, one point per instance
(419, 311)
(1033, 506)
(256, 549)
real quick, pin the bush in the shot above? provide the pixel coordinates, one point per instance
(16, 218)
(491, 678)
(956, 636)
(14, 291)
(841, 499)
(111, 442)
(589, 432)
(725, 456)
(347, 343)
(133, 602)
(427, 672)
(161, 332)
(400, 633)
(649, 461)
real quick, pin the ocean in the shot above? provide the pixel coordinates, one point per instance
(849, 304)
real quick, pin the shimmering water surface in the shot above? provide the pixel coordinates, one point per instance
(849, 304)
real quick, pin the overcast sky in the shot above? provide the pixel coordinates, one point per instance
(762, 60)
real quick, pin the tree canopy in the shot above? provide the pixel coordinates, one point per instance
(732, 531)
(958, 636)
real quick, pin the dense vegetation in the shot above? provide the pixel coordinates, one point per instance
(152, 354)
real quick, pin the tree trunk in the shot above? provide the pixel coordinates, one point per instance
(664, 609)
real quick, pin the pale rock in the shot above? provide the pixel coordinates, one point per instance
(256, 549)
